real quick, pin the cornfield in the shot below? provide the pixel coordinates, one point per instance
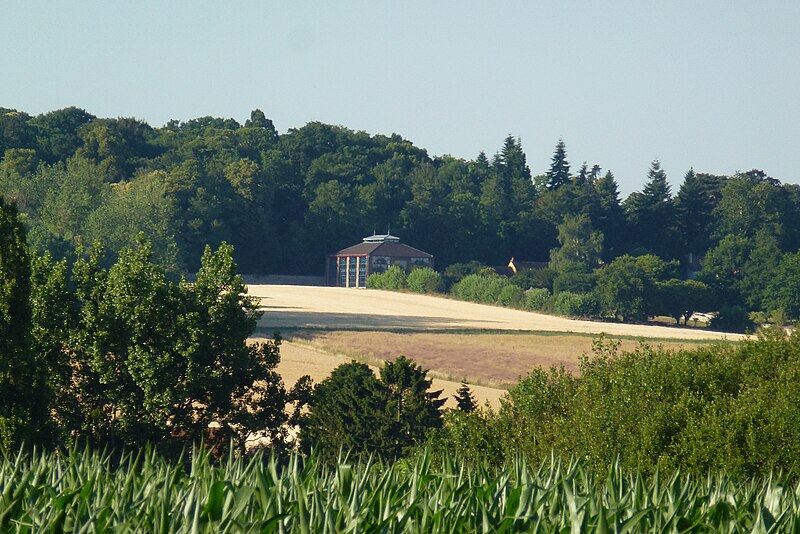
(83, 491)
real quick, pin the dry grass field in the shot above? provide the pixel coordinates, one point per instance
(497, 359)
(487, 345)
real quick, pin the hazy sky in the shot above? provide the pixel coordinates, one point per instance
(706, 84)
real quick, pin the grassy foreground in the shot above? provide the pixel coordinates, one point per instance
(89, 492)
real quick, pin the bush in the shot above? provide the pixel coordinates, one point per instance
(512, 296)
(732, 319)
(424, 280)
(575, 304)
(394, 279)
(492, 287)
(536, 299)
(534, 278)
(458, 271)
(574, 281)
(480, 288)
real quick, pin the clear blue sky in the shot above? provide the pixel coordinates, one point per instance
(707, 84)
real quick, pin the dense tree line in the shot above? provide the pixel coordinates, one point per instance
(286, 200)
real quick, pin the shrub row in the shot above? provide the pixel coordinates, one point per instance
(419, 280)
(503, 291)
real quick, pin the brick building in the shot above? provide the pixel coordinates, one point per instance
(351, 266)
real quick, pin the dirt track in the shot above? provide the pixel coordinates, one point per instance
(339, 308)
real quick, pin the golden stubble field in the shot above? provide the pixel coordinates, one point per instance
(489, 346)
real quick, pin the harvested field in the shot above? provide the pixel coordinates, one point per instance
(368, 309)
(497, 359)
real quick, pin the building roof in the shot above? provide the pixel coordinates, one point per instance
(383, 245)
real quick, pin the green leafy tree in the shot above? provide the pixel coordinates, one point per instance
(145, 206)
(424, 280)
(724, 267)
(622, 288)
(53, 309)
(225, 379)
(751, 203)
(352, 410)
(681, 298)
(580, 244)
(57, 132)
(783, 291)
(152, 361)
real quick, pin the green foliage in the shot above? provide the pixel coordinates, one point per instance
(132, 357)
(559, 167)
(580, 244)
(783, 290)
(511, 296)
(732, 319)
(536, 299)
(142, 492)
(534, 278)
(574, 304)
(347, 412)
(480, 288)
(424, 280)
(651, 215)
(731, 407)
(574, 278)
(622, 287)
(23, 390)
(352, 410)
(680, 298)
(394, 279)
(455, 272)
(465, 400)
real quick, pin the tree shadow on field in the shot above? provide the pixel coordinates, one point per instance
(271, 321)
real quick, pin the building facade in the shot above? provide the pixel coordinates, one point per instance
(351, 266)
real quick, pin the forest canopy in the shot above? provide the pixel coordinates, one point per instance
(284, 201)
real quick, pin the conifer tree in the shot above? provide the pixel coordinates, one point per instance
(558, 174)
(465, 399)
(23, 409)
(651, 214)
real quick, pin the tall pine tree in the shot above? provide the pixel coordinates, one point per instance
(558, 174)
(651, 215)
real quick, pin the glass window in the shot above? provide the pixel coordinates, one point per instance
(362, 272)
(342, 278)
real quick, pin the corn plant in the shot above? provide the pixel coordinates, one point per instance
(85, 491)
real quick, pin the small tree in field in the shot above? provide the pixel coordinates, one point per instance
(465, 399)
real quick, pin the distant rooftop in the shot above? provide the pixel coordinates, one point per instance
(381, 238)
